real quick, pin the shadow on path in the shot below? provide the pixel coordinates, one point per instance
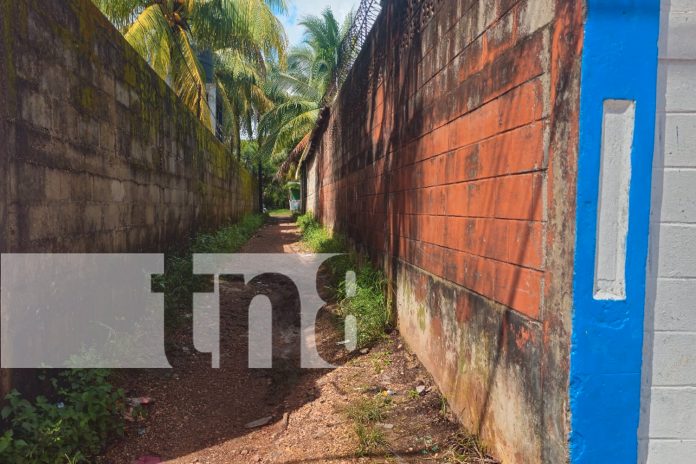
(196, 407)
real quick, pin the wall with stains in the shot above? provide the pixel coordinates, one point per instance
(450, 157)
(97, 154)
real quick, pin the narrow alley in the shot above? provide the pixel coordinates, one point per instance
(195, 414)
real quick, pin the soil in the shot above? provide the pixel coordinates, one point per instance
(202, 415)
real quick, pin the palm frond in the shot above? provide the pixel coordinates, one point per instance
(151, 36)
(189, 80)
(122, 13)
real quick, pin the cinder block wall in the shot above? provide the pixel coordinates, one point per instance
(668, 421)
(450, 157)
(97, 154)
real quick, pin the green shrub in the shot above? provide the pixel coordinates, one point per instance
(87, 412)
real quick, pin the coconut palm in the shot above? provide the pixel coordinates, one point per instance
(298, 92)
(241, 86)
(323, 38)
(170, 34)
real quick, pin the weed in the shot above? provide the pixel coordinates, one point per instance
(317, 238)
(463, 448)
(85, 413)
(368, 303)
(444, 406)
(228, 239)
(88, 410)
(366, 411)
(369, 439)
(380, 361)
(413, 394)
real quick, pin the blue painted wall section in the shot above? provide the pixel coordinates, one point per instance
(619, 62)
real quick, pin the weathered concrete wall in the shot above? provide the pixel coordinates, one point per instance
(100, 155)
(450, 157)
(97, 154)
(668, 416)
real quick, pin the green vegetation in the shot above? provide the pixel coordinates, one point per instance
(317, 238)
(280, 212)
(179, 283)
(297, 92)
(463, 448)
(381, 361)
(173, 35)
(369, 439)
(228, 239)
(367, 410)
(366, 413)
(270, 98)
(368, 304)
(84, 412)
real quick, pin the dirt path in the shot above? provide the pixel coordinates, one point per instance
(201, 415)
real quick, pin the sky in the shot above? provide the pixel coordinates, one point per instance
(297, 9)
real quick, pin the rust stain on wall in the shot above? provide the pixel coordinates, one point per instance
(450, 157)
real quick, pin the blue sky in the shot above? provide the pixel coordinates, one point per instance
(300, 8)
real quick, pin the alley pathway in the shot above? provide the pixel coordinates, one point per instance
(287, 415)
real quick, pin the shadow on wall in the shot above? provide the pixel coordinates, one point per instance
(371, 160)
(652, 274)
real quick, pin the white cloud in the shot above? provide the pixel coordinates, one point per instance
(297, 9)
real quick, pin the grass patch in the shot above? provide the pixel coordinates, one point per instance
(279, 213)
(228, 239)
(367, 301)
(365, 413)
(370, 439)
(319, 239)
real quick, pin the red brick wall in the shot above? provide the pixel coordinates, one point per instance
(449, 156)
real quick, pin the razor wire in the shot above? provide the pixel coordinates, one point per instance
(349, 49)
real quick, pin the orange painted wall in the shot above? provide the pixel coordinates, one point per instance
(449, 156)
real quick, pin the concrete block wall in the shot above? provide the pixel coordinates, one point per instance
(668, 415)
(449, 157)
(97, 154)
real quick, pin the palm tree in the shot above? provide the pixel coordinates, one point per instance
(241, 86)
(323, 38)
(284, 131)
(170, 34)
